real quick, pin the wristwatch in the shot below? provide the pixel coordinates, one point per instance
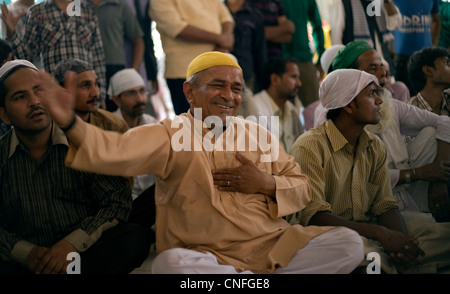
(408, 177)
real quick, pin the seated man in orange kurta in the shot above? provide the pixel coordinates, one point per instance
(223, 184)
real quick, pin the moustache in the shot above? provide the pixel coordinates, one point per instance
(93, 100)
(139, 105)
(36, 109)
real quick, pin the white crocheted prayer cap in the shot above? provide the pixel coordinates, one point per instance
(124, 80)
(329, 55)
(11, 65)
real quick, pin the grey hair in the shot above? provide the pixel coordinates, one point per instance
(193, 79)
(72, 64)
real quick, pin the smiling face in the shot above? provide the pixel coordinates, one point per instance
(217, 91)
(23, 108)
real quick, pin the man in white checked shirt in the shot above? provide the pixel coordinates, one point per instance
(51, 32)
(350, 180)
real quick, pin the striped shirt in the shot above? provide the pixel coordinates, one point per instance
(420, 102)
(271, 11)
(354, 186)
(42, 203)
(57, 36)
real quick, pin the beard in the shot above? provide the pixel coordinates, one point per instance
(294, 94)
(386, 114)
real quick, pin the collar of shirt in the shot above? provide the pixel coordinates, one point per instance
(143, 120)
(284, 113)
(276, 110)
(205, 130)
(422, 103)
(338, 141)
(419, 101)
(446, 102)
(215, 136)
(58, 137)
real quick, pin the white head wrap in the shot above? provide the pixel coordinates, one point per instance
(329, 55)
(123, 80)
(11, 65)
(340, 87)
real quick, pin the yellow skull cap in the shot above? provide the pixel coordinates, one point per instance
(209, 59)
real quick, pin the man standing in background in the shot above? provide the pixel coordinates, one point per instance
(302, 13)
(421, 27)
(59, 37)
(277, 27)
(117, 22)
(250, 46)
(187, 29)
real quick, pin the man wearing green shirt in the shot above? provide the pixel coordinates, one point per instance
(302, 13)
(444, 12)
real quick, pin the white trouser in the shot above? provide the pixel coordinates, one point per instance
(422, 150)
(338, 251)
(434, 240)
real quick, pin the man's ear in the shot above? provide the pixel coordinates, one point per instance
(188, 89)
(274, 78)
(349, 107)
(427, 71)
(4, 116)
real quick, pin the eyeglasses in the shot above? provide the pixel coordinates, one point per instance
(134, 93)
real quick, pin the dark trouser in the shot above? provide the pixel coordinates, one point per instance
(179, 101)
(144, 211)
(12, 268)
(119, 250)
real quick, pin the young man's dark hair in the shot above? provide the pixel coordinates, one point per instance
(275, 65)
(426, 56)
(5, 52)
(71, 64)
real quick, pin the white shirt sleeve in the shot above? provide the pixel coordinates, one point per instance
(394, 21)
(337, 22)
(394, 174)
(413, 119)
